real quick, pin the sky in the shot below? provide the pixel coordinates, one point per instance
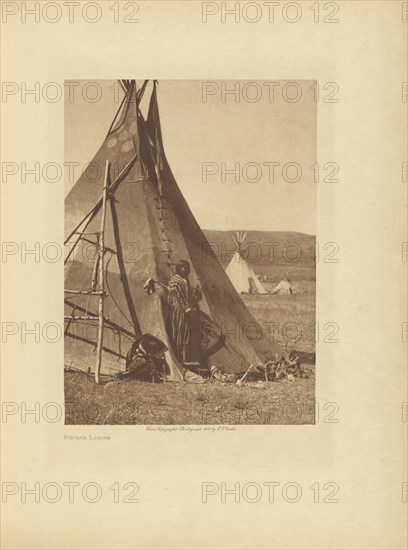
(259, 131)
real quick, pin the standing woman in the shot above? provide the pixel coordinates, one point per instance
(185, 317)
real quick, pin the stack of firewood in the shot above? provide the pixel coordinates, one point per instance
(280, 369)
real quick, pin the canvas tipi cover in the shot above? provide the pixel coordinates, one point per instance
(148, 227)
(284, 287)
(243, 276)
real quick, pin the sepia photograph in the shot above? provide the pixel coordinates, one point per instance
(203, 273)
(190, 252)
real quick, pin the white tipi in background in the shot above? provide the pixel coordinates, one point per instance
(241, 273)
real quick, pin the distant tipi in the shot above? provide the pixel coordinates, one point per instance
(284, 287)
(241, 274)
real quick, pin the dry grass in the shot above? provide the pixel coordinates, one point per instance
(283, 402)
(134, 402)
(291, 319)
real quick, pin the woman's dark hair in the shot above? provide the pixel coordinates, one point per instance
(180, 264)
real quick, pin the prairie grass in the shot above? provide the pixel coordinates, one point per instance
(173, 403)
(291, 320)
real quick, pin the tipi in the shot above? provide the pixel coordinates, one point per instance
(284, 287)
(148, 226)
(241, 274)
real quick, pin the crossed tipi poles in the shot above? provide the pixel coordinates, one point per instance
(79, 233)
(97, 288)
(239, 239)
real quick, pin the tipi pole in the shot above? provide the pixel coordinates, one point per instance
(95, 267)
(101, 276)
(95, 209)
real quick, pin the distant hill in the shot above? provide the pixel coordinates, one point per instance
(267, 250)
